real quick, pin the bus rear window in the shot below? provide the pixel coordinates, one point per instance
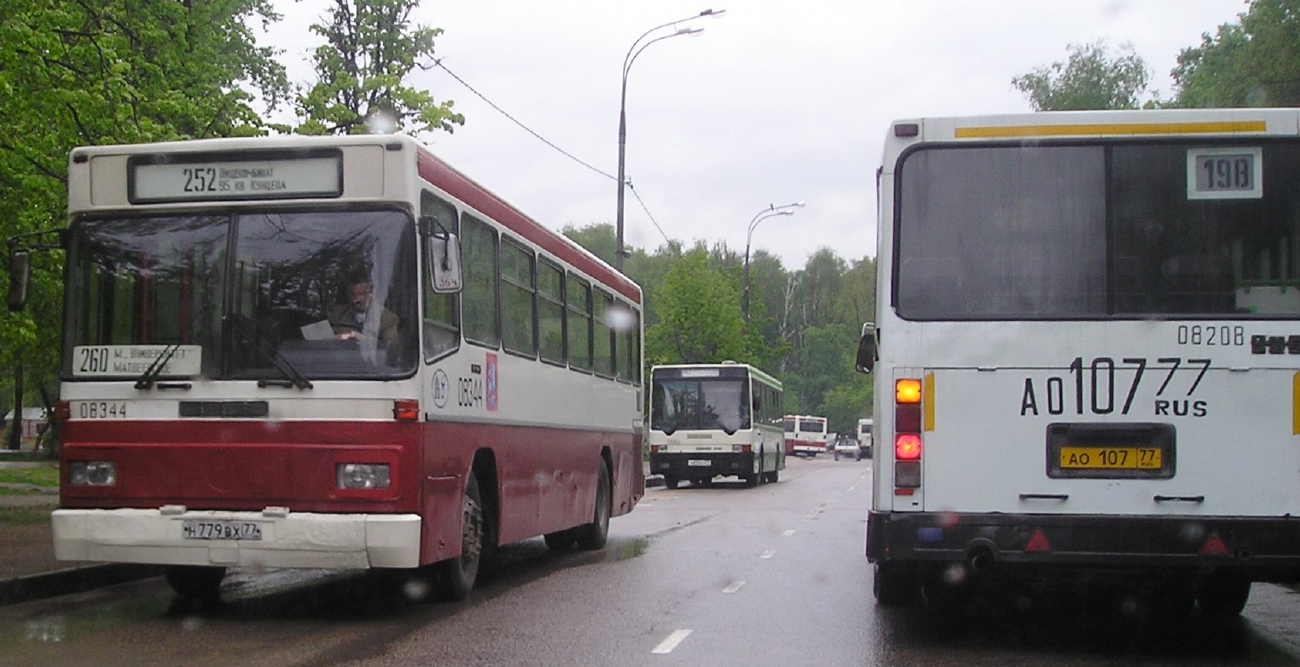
(1043, 231)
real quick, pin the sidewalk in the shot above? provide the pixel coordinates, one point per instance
(28, 569)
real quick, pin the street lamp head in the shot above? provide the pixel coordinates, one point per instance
(688, 31)
(713, 12)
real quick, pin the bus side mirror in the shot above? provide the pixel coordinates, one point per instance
(20, 274)
(866, 361)
(444, 263)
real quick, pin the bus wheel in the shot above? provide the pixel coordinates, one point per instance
(456, 575)
(774, 476)
(893, 585)
(1223, 593)
(199, 582)
(671, 482)
(592, 536)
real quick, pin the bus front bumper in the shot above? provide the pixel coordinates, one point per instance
(1267, 548)
(689, 465)
(279, 539)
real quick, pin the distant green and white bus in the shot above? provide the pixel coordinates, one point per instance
(1086, 352)
(715, 420)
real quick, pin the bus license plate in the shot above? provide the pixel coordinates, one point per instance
(206, 529)
(1111, 458)
(699, 463)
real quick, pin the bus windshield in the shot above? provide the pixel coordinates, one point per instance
(328, 294)
(690, 404)
(1060, 231)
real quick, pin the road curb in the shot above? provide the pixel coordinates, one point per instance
(73, 580)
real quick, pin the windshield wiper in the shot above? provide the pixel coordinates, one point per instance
(155, 369)
(296, 378)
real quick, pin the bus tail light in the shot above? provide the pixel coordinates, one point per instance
(907, 447)
(907, 434)
(741, 449)
(62, 411)
(405, 409)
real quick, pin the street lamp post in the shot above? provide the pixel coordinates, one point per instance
(771, 211)
(632, 52)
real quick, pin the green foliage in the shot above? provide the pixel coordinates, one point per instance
(1253, 63)
(698, 312)
(1091, 79)
(370, 47)
(113, 71)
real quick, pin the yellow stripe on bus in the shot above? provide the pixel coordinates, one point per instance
(927, 408)
(1110, 129)
(1295, 404)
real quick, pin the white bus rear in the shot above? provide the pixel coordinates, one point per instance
(1087, 354)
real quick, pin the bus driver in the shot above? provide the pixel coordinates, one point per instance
(351, 320)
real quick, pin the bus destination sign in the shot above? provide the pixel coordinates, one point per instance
(163, 180)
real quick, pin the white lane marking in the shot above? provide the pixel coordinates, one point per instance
(768, 554)
(787, 533)
(733, 587)
(671, 641)
(853, 488)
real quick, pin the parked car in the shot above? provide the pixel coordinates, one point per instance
(848, 448)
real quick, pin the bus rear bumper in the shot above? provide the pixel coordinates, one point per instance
(1265, 548)
(283, 539)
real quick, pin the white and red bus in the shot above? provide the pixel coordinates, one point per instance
(215, 413)
(805, 435)
(1086, 352)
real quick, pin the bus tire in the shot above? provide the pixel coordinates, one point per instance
(593, 536)
(197, 582)
(1223, 593)
(671, 482)
(455, 576)
(893, 585)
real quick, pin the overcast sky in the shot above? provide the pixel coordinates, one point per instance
(776, 101)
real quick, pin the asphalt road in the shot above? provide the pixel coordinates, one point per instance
(695, 576)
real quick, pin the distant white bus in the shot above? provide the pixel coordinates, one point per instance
(864, 436)
(805, 435)
(711, 420)
(1086, 352)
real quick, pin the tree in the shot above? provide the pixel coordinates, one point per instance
(1253, 63)
(370, 46)
(699, 319)
(1091, 79)
(113, 71)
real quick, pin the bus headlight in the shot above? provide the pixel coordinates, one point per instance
(361, 475)
(92, 473)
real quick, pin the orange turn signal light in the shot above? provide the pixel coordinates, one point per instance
(907, 391)
(405, 409)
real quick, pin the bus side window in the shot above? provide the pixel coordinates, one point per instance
(482, 275)
(518, 298)
(550, 311)
(441, 314)
(578, 298)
